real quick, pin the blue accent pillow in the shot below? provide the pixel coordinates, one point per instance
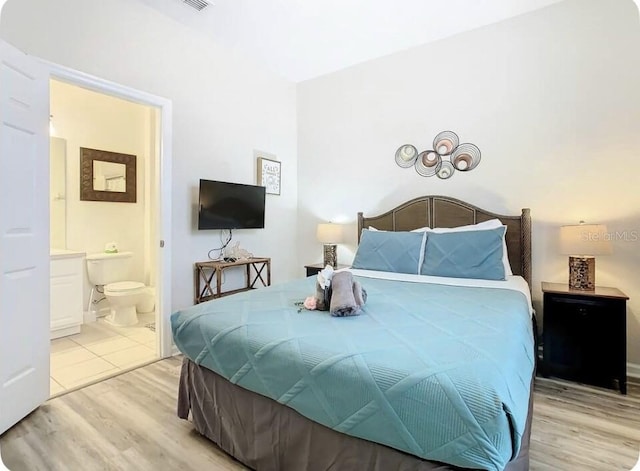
(398, 252)
(470, 254)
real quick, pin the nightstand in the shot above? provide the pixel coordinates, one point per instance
(585, 335)
(316, 267)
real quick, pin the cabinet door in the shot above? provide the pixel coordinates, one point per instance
(564, 332)
(64, 312)
(66, 293)
(608, 350)
(581, 335)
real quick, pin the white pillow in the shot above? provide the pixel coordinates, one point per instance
(490, 224)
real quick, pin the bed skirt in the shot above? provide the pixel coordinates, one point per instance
(268, 436)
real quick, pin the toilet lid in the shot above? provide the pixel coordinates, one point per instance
(124, 286)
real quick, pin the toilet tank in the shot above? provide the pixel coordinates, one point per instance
(104, 268)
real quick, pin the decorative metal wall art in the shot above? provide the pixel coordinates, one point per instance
(447, 156)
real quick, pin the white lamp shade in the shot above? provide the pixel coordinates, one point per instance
(329, 233)
(585, 239)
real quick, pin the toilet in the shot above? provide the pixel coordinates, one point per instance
(110, 270)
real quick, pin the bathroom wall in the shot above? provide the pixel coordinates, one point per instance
(88, 119)
(58, 193)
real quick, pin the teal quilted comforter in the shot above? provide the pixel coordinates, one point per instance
(441, 372)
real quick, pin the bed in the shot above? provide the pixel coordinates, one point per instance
(280, 389)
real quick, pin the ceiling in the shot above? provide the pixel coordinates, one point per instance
(302, 39)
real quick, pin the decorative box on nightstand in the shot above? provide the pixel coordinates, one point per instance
(316, 267)
(585, 335)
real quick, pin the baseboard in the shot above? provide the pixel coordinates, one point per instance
(633, 371)
(59, 333)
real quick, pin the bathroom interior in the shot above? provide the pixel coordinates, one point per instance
(103, 269)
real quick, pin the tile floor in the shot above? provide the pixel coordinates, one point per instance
(100, 350)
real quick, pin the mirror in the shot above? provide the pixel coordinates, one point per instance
(107, 176)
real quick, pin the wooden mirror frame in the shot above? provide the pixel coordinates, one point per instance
(87, 193)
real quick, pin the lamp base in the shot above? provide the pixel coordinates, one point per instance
(331, 255)
(582, 273)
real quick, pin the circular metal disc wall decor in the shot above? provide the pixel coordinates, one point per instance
(446, 170)
(447, 157)
(466, 157)
(445, 142)
(428, 163)
(406, 155)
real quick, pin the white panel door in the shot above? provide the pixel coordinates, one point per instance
(24, 235)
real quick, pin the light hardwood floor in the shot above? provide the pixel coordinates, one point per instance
(129, 423)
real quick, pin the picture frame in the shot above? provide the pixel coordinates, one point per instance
(269, 174)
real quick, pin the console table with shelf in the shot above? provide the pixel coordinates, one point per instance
(206, 272)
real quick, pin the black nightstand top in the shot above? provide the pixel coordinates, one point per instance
(599, 292)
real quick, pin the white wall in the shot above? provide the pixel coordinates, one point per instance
(224, 107)
(93, 120)
(552, 100)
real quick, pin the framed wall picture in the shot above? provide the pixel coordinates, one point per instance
(269, 175)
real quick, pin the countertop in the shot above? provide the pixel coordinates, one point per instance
(65, 253)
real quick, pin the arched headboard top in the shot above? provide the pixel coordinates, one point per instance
(442, 211)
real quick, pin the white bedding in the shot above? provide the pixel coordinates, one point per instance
(513, 282)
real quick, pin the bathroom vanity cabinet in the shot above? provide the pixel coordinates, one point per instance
(66, 292)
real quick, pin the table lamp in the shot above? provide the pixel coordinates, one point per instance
(582, 242)
(330, 234)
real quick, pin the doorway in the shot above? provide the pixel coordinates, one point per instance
(97, 349)
(104, 212)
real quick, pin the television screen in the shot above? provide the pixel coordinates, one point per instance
(230, 206)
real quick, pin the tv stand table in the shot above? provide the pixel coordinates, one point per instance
(205, 272)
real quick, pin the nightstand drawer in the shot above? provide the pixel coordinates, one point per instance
(579, 303)
(575, 311)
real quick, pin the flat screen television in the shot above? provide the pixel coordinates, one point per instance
(226, 205)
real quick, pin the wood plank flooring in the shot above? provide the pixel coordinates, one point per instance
(129, 423)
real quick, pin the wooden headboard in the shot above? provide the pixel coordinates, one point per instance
(442, 211)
